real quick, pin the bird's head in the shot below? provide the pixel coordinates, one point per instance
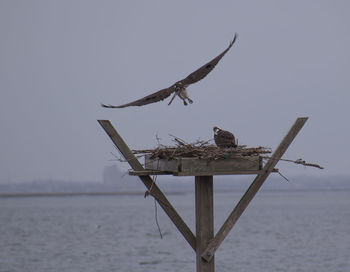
(216, 129)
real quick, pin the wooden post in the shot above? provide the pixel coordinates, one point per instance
(149, 183)
(204, 220)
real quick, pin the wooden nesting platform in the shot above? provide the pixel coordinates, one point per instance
(204, 242)
(201, 167)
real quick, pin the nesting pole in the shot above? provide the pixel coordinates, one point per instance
(205, 243)
(204, 220)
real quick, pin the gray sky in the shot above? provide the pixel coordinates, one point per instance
(60, 59)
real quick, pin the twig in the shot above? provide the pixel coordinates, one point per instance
(282, 176)
(156, 218)
(158, 139)
(149, 192)
(178, 140)
(298, 161)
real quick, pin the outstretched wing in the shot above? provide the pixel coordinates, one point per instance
(206, 68)
(152, 98)
(190, 79)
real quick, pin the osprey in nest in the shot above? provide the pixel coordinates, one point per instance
(223, 138)
(178, 88)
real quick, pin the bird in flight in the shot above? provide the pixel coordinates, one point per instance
(223, 138)
(178, 88)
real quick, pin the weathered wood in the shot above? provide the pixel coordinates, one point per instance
(204, 220)
(196, 166)
(155, 172)
(162, 165)
(149, 183)
(149, 172)
(182, 174)
(223, 173)
(234, 164)
(252, 190)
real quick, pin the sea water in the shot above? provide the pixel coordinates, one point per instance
(279, 231)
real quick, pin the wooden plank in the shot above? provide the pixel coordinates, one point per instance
(149, 172)
(149, 183)
(233, 164)
(162, 165)
(252, 190)
(196, 166)
(155, 172)
(204, 220)
(182, 174)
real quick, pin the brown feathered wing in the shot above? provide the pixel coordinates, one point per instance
(155, 97)
(190, 79)
(224, 139)
(203, 71)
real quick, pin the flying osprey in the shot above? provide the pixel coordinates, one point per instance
(223, 138)
(178, 88)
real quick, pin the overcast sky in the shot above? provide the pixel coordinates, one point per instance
(60, 59)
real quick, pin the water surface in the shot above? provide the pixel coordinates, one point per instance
(280, 231)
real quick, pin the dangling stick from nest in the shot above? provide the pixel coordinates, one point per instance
(299, 161)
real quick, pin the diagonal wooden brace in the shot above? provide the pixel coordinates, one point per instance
(148, 182)
(209, 252)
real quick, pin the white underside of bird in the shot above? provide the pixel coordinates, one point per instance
(183, 94)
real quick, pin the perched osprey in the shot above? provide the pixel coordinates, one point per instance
(178, 88)
(224, 138)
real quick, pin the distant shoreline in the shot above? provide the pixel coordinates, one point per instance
(65, 194)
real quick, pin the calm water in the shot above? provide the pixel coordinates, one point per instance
(280, 231)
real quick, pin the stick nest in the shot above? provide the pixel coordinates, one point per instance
(201, 150)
